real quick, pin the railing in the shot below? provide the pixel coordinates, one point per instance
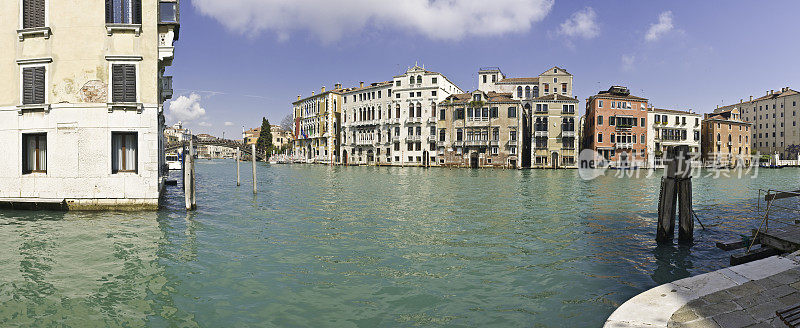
(623, 127)
(413, 120)
(771, 210)
(477, 142)
(431, 138)
(567, 134)
(414, 137)
(431, 120)
(540, 133)
(512, 142)
(623, 145)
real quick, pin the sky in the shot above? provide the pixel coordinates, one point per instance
(240, 60)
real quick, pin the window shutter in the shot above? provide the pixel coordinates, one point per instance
(118, 84)
(27, 85)
(130, 83)
(137, 11)
(39, 85)
(38, 13)
(109, 11)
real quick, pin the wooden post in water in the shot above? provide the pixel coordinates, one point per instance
(684, 175)
(253, 157)
(188, 178)
(667, 199)
(238, 156)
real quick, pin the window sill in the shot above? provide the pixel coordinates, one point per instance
(125, 106)
(114, 28)
(28, 32)
(33, 107)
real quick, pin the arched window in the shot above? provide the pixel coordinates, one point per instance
(419, 79)
(419, 110)
(397, 111)
(519, 92)
(536, 91)
(411, 79)
(719, 138)
(410, 110)
(527, 91)
(612, 138)
(433, 109)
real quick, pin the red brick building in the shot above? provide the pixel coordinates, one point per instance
(616, 126)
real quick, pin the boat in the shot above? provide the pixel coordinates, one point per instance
(174, 161)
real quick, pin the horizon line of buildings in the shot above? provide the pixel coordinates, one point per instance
(421, 118)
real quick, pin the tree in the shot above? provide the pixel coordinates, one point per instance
(287, 124)
(793, 150)
(264, 142)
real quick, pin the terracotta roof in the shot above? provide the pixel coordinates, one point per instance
(786, 93)
(555, 96)
(517, 80)
(617, 96)
(370, 86)
(493, 97)
(674, 111)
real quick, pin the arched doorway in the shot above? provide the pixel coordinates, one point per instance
(370, 156)
(554, 156)
(473, 160)
(623, 159)
(308, 152)
(344, 157)
(425, 159)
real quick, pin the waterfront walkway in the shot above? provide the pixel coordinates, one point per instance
(746, 295)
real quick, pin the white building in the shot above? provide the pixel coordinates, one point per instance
(81, 109)
(366, 136)
(176, 133)
(669, 128)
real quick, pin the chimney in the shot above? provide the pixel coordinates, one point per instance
(337, 86)
(751, 98)
(323, 89)
(361, 84)
(771, 91)
(741, 101)
(312, 93)
(298, 97)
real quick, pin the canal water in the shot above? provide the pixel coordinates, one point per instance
(366, 247)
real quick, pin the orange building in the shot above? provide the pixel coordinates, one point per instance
(615, 126)
(726, 138)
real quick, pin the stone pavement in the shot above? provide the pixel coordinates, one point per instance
(752, 304)
(745, 295)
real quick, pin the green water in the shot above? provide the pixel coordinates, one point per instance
(365, 247)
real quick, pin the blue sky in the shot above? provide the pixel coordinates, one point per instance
(239, 60)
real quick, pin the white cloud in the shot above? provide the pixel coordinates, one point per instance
(204, 124)
(581, 24)
(331, 20)
(186, 108)
(627, 62)
(228, 123)
(663, 26)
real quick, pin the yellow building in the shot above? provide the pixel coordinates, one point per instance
(317, 126)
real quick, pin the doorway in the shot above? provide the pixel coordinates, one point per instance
(473, 160)
(555, 160)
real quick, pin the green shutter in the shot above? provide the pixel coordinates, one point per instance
(27, 85)
(118, 83)
(130, 83)
(109, 11)
(137, 11)
(39, 85)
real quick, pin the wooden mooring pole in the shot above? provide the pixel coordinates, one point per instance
(188, 178)
(238, 156)
(676, 186)
(253, 153)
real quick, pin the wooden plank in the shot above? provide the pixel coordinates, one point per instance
(755, 254)
(782, 195)
(730, 245)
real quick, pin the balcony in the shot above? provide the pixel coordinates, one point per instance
(476, 143)
(441, 143)
(494, 142)
(414, 120)
(623, 145)
(168, 29)
(623, 127)
(512, 142)
(415, 137)
(393, 121)
(431, 120)
(567, 134)
(166, 88)
(431, 138)
(540, 134)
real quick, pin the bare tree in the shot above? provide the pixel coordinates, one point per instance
(287, 124)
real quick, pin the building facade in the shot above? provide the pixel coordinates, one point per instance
(669, 128)
(81, 101)
(366, 116)
(726, 138)
(616, 127)
(317, 122)
(176, 133)
(280, 137)
(775, 121)
(546, 116)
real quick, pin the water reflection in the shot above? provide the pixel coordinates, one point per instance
(672, 263)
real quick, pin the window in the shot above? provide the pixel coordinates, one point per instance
(168, 12)
(442, 134)
(459, 135)
(512, 112)
(641, 139)
(397, 95)
(642, 122)
(599, 137)
(397, 84)
(433, 93)
(493, 112)
(527, 91)
(33, 13)
(600, 105)
(600, 120)
(442, 113)
(519, 92)
(34, 153)
(124, 154)
(33, 85)
(124, 11)
(434, 80)
(123, 83)
(564, 87)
